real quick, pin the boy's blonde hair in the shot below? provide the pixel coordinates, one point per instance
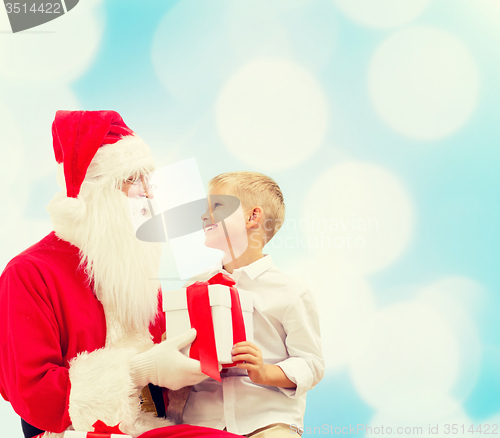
(255, 189)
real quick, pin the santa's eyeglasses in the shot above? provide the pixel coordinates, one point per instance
(139, 182)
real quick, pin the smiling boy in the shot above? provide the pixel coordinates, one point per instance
(266, 394)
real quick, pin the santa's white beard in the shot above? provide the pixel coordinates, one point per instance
(124, 270)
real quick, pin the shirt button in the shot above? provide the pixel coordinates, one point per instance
(229, 408)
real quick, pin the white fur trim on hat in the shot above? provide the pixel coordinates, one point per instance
(128, 156)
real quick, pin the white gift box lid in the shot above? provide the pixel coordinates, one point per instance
(218, 293)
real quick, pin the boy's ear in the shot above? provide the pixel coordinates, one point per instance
(254, 217)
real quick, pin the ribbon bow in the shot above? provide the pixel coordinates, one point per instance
(198, 301)
(101, 427)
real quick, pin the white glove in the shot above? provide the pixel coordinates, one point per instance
(164, 365)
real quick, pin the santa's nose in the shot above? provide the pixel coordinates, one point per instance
(148, 193)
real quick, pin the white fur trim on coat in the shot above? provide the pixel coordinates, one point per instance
(53, 435)
(102, 389)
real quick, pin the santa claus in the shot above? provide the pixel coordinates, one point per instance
(81, 325)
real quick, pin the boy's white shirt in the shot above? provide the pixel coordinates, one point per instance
(286, 329)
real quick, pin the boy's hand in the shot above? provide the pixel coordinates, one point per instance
(258, 371)
(253, 363)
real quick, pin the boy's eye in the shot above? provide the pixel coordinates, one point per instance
(217, 205)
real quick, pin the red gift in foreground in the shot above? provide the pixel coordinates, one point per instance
(101, 430)
(78, 434)
(221, 315)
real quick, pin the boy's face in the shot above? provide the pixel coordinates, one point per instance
(224, 223)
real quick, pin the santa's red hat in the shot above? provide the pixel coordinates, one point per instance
(78, 135)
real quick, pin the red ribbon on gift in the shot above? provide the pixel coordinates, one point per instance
(198, 301)
(101, 429)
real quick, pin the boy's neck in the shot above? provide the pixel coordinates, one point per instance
(244, 259)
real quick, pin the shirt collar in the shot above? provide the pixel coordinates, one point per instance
(253, 270)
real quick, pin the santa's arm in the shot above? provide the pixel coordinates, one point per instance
(32, 377)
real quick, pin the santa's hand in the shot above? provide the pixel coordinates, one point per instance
(164, 365)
